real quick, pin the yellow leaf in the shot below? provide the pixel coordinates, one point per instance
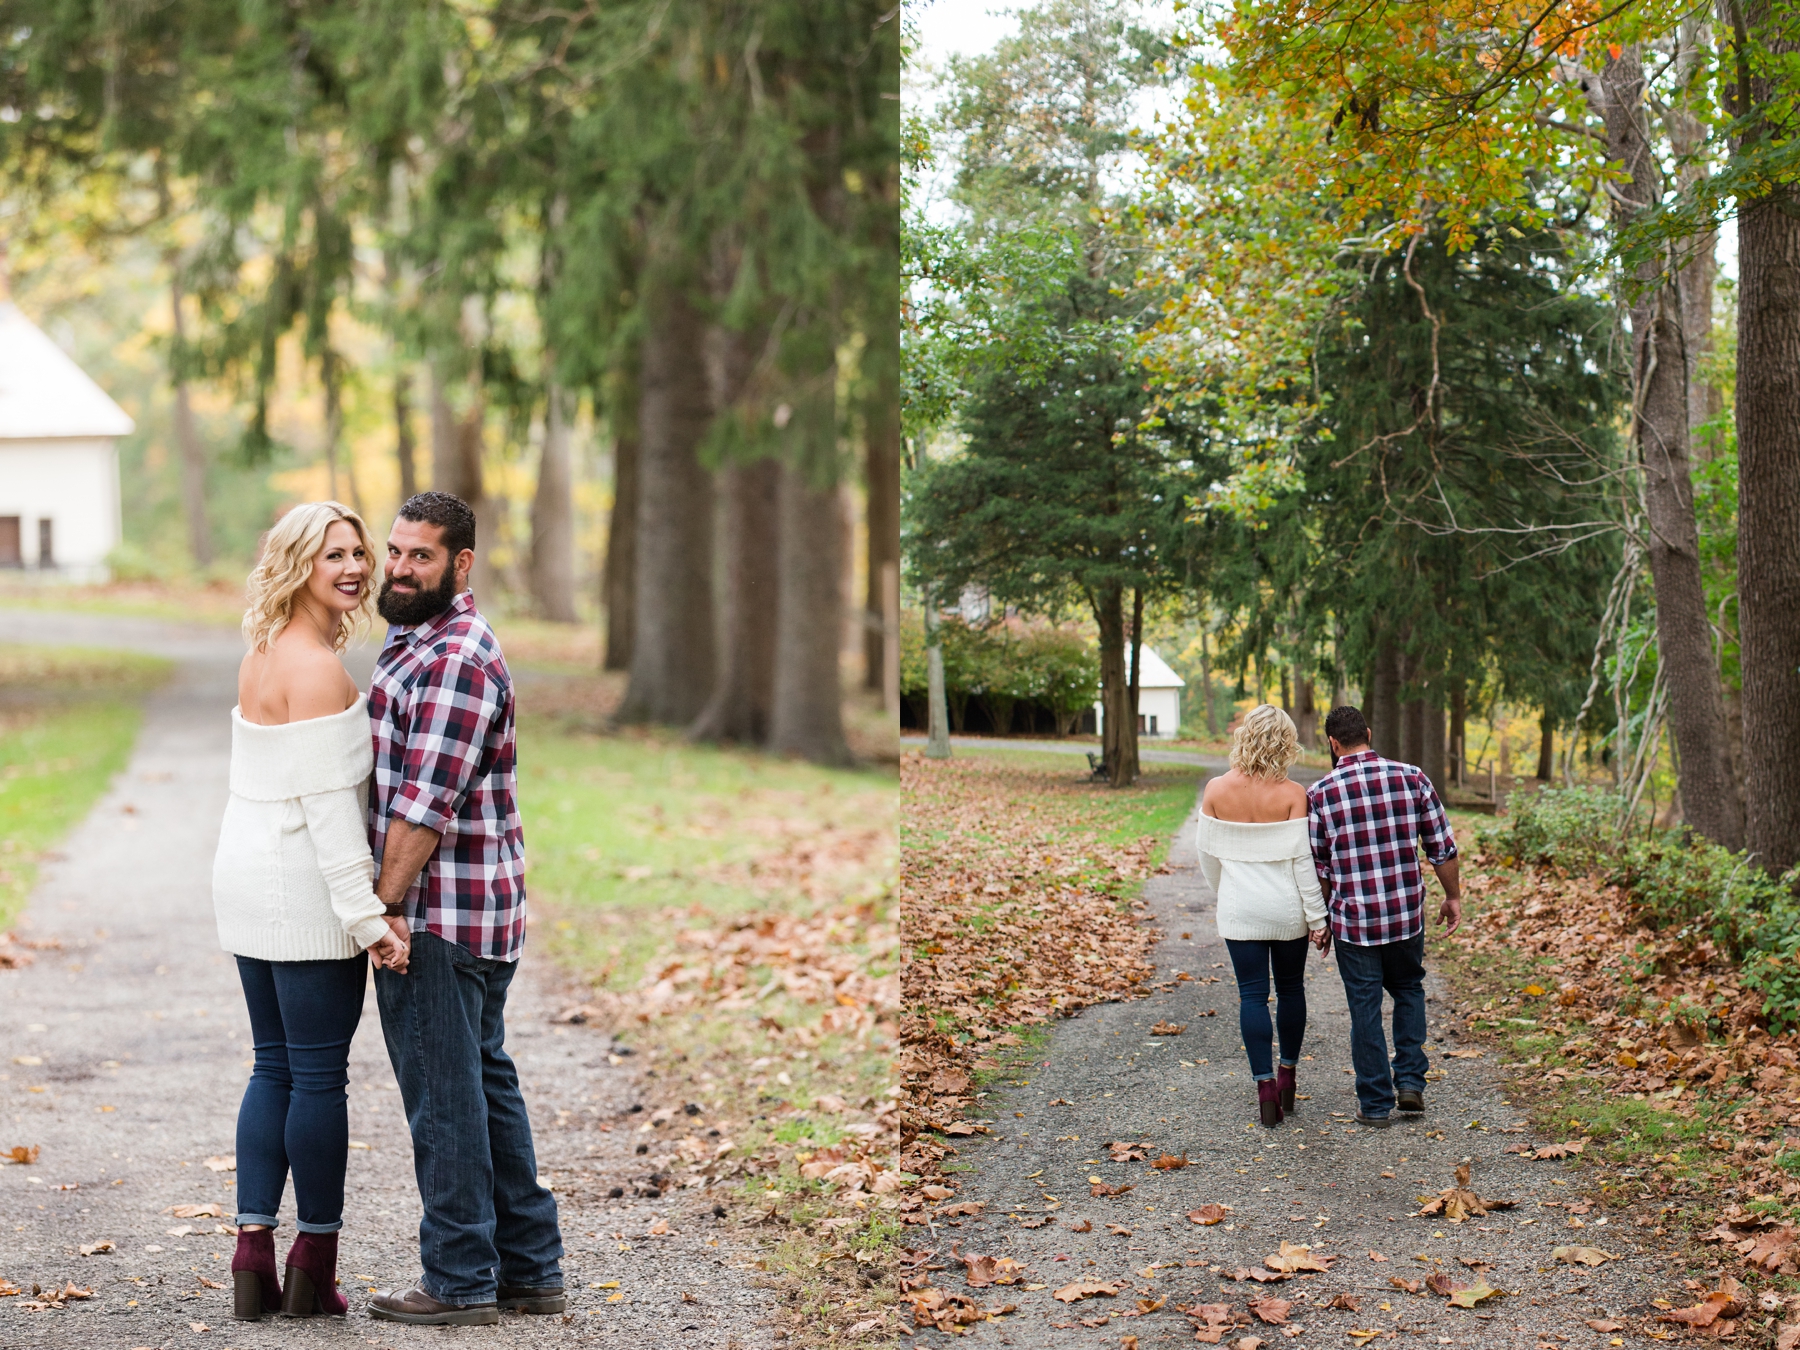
(1535, 990)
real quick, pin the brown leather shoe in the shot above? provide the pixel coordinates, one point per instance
(549, 1299)
(421, 1309)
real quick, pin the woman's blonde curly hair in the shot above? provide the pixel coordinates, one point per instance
(1265, 745)
(287, 562)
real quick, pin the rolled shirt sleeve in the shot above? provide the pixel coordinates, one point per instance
(454, 703)
(1436, 836)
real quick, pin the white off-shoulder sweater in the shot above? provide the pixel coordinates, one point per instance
(293, 879)
(1263, 875)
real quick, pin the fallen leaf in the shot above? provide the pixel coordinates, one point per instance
(226, 1163)
(1118, 1230)
(1587, 1256)
(1208, 1215)
(1168, 1028)
(1462, 1054)
(1346, 1302)
(198, 1327)
(210, 1284)
(211, 1211)
(982, 1271)
(1082, 1289)
(1295, 1256)
(1034, 1220)
(1146, 1306)
(96, 1248)
(1093, 1323)
(1170, 1163)
(1468, 1298)
(1376, 1256)
(1274, 1311)
(1101, 1188)
(20, 1153)
(1787, 1336)
(659, 1229)
(1248, 1343)
(1561, 1150)
(963, 1209)
(1723, 1302)
(1409, 1286)
(1124, 1152)
(1128, 1343)
(1605, 1324)
(1085, 1226)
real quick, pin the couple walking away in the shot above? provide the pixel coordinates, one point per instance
(382, 830)
(1293, 865)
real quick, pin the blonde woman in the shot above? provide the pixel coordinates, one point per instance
(294, 896)
(1257, 857)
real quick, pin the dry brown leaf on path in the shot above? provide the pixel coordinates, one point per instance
(1169, 1162)
(1721, 1304)
(1586, 1256)
(96, 1248)
(1128, 1343)
(944, 1311)
(1773, 1249)
(1459, 1202)
(1168, 1028)
(1462, 1054)
(1146, 1306)
(962, 1209)
(1787, 1335)
(1274, 1311)
(1034, 1220)
(1407, 1286)
(225, 1163)
(1295, 1256)
(1208, 1215)
(1123, 1152)
(1567, 1150)
(1095, 1323)
(1118, 1230)
(22, 1154)
(1605, 1324)
(1269, 1276)
(982, 1271)
(1376, 1256)
(1439, 1283)
(1085, 1289)
(209, 1211)
(1085, 1226)
(1101, 1188)
(1345, 1302)
(1248, 1343)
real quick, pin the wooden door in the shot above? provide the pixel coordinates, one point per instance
(10, 553)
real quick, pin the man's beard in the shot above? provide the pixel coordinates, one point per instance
(406, 607)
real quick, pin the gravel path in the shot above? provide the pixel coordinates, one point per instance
(127, 1051)
(1317, 1179)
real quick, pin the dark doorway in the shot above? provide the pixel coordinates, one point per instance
(46, 542)
(10, 554)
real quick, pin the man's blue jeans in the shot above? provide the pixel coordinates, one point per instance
(487, 1221)
(1399, 968)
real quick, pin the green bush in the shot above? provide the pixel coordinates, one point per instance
(1677, 879)
(1003, 666)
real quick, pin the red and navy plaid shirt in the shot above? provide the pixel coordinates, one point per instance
(441, 709)
(1368, 819)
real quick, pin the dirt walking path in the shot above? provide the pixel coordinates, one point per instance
(1316, 1180)
(127, 1050)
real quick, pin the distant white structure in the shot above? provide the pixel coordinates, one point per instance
(1159, 698)
(59, 468)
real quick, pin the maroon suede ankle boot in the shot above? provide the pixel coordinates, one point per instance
(254, 1288)
(1268, 1099)
(1284, 1078)
(312, 1278)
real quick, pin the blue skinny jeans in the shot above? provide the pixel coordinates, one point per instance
(1252, 961)
(295, 1115)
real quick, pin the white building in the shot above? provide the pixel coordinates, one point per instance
(1159, 698)
(59, 469)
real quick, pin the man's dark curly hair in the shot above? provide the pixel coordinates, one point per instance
(451, 514)
(1346, 726)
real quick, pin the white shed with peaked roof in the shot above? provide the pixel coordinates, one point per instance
(1159, 698)
(59, 466)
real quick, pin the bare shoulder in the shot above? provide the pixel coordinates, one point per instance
(1295, 793)
(310, 678)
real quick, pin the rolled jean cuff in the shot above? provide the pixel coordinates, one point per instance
(1264, 1077)
(304, 1227)
(266, 1220)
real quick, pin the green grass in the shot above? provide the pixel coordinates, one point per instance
(624, 831)
(68, 719)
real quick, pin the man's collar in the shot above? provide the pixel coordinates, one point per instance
(464, 603)
(1366, 751)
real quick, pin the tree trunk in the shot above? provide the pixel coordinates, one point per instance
(672, 665)
(553, 515)
(1768, 427)
(808, 718)
(1687, 137)
(1459, 732)
(187, 442)
(1306, 711)
(882, 481)
(1206, 689)
(334, 431)
(1660, 366)
(937, 712)
(456, 449)
(743, 699)
(1546, 747)
(1384, 698)
(404, 449)
(1115, 699)
(1412, 732)
(1125, 772)
(1431, 747)
(619, 582)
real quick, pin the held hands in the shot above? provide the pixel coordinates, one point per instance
(394, 949)
(1321, 939)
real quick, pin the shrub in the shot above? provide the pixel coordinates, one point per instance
(1677, 879)
(1004, 665)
